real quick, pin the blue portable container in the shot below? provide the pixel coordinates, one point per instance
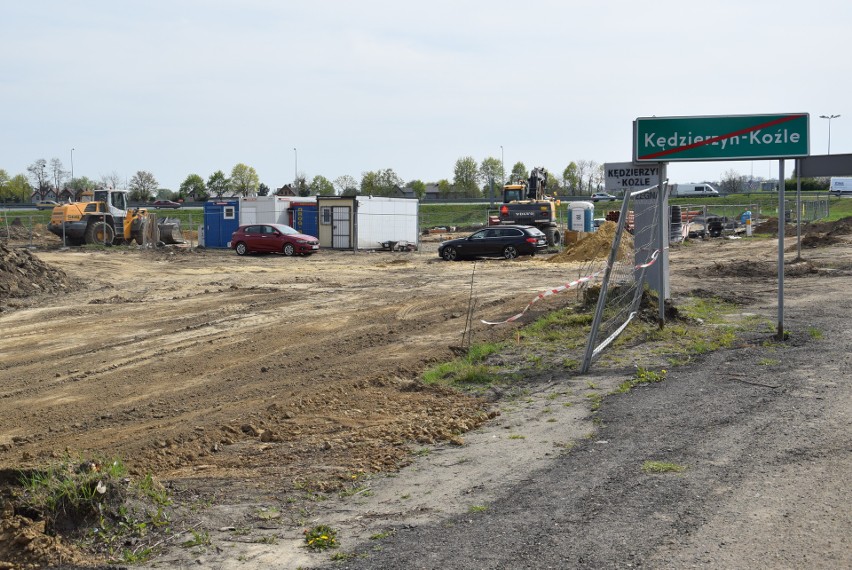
(221, 219)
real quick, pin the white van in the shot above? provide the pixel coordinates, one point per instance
(840, 186)
(692, 190)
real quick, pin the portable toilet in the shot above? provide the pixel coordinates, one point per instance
(580, 215)
(221, 219)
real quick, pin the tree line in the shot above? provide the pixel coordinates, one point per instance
(470, 179)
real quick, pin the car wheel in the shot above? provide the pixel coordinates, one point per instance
(241, 249)
(510, 252)
(451, 254)
(288, 249)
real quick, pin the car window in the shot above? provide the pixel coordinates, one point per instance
(510, 232)
(267, 230)
(478, 235)
(252, 230)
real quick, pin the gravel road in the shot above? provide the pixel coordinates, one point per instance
(762, 429)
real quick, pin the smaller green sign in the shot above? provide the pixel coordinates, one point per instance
(732, 137)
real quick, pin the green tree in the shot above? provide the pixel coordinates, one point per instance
(490, 169)
(81, 184)
(244, 180)
(302, 188)
(263, 189)
(20, 189)
(321, 186)
(380, 182)
(142, 186)
(346, 185)
(4, 186)
(466, 176)
(553, 185)
(217, 184)
(444, 187)
(418, 187)
(193, 188)
(570, 178)
(519, 172)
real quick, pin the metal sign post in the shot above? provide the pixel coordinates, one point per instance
(782, 226)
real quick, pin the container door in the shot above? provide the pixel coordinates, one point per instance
(340, 223)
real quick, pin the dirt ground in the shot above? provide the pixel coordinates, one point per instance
(248, 383)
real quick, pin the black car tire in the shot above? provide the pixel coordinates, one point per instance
(289, 249)
(510, 252)
(450, 254)
(241, 248)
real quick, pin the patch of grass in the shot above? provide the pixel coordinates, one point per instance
(596, 400)
(268, 513)
(767, 362)
(362, 490)
(710, 310)
(815, 333)
(321, 537)
(465, 370)
(381, 535)
(96, 503)
(517, 436)
(198, 539)
(662, 467)
(642, 376)
(477, 508)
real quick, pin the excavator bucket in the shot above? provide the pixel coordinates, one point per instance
(170, 232)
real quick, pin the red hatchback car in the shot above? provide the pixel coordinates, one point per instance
(268, 238)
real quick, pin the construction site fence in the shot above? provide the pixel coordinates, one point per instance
(31, 227)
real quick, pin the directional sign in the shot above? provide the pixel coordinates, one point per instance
(630, 176)
(732, 137)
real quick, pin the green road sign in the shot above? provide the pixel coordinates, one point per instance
(732, 137)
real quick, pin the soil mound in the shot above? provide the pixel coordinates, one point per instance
(763, 269)
(839, 227)
(22, 275)
(25, 545)
(596, 246)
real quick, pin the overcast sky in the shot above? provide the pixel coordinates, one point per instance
(193, 86)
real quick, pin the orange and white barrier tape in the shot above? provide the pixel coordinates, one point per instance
(566, 287)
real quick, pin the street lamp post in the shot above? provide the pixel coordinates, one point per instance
(829, 117)
(72, 166)
(502, 169)
(295, 167)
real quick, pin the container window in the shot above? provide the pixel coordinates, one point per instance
(325, 215)
(229, 212)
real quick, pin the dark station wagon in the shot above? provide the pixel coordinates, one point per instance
(495, 241)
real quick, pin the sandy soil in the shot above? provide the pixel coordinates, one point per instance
(250, 382)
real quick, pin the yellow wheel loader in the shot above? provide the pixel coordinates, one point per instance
(103, 217)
